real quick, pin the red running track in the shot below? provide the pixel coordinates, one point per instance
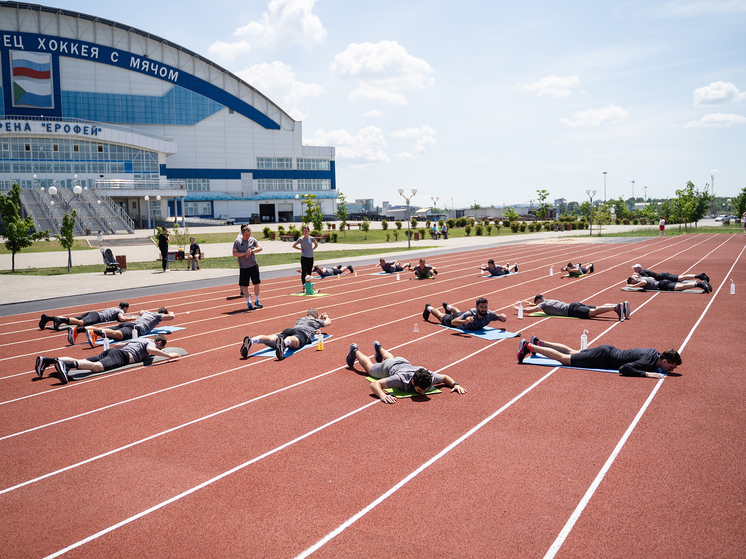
(213, 455)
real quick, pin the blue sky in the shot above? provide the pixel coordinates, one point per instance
(486, 102)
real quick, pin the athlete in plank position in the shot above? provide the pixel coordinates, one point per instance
(553, 307)
(335, 271)
(637, 362)
(424, 271)
(493, 270)
(473, 319)
(640, 271)
(393, 267)
(118, 355)
(649, 284)
(397, 372)
(578, 270)
(144, 324)
(296, 337)
(89, 318)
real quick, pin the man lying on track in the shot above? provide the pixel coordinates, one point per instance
(493, 270)
(473, 319)
(638, 362)
(649, 284)
(335, 271)
(640, 271)
(579, 270)
(424, 271)
(146, 322)
(553, 307)
(89, 318)
(295, 338)
(393, 267)
(397, 372)
(119, 355)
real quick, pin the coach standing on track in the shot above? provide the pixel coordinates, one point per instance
(306, 245)
(244, 250)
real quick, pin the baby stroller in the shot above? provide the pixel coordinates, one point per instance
(111, 263)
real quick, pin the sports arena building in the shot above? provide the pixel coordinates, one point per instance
(124, 114)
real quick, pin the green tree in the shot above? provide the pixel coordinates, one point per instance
(18, 233)
(366, 226)
(739, 203)
(313, 211)
(510, 214)
(342, 213)
(67, 236)
(691, 204)
(541, 213)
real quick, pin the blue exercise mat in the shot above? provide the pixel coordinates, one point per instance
(270, 351)
(486, 333)
(502, 276)
(153, 332)
(546, 362)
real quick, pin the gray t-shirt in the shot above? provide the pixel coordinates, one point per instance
(107, 315)
(243, 247)
(478, 322)
(554, 308)
(651, 283)
(308, 325)
(138, 349)
(147, 321)
(399, 372)
(306, 246)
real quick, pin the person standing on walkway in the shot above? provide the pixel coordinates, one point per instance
(245, 250)
(662, 226)
(306, 244)
(100, 239)
(163, 246)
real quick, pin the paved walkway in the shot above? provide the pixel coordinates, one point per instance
(23, 288)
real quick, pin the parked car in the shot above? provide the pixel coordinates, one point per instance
(720, 218)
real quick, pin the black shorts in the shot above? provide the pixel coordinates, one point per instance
(246, 275)
(447, 318)
(302, 338)
(592, 358)
(89, 318)
(665, 285)
(579, 310)
(111, 358)
(125, 329)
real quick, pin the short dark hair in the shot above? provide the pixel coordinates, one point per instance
(422, 379)
(481, 300)
(245, 227)
(312, 312)
(124, 305)
(538, 299)
(631, 280)
(570, 264)
(160, 338)
(672, 356)
(490, 261)
(163, 310)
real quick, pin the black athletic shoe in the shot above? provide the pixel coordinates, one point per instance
(61, 371)
(245, 347)
(516, 268)
(707, 287)
(619, 310)
(258, 305)
(57, 322)
(523, 351)
(704, 277)
(352, 270)
(280, 348)
(626, 310)
(351, 356)
(445, 308)
(590, 268)
(43, 321)
(377, 348)
(71, 336)
(426, 313)
(41, 364)
(435, 272)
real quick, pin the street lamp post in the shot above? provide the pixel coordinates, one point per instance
(435, 201)
(409, 218)
(604, 172)
(591, 194)
(633, 195)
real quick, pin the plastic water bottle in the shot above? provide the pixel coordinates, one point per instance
(416, 327)
(135, 334)
(520, 309)
(551, 270)
(319, 341)
(732, 288)
(584, 340)
(106, 342)
(398, 277)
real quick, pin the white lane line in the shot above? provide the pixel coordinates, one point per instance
(555, 547)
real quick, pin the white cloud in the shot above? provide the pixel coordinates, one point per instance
(374, 114)
(405, 155)
(704, 8)
(277, 81)
(285, 23)
(426, 135)
(717, 120)
(384, 68)
(551, 85)
(595, 117)
(717, 93)
(364, 147)
(228, 51)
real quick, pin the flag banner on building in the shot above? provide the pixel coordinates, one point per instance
(32, 79)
